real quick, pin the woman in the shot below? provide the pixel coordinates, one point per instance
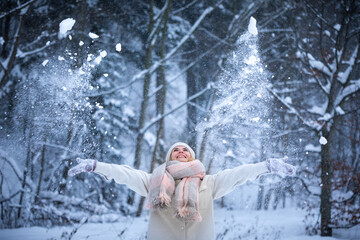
(178, 191)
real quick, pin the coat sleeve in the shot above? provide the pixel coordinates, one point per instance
(136, 180)
(227, 180)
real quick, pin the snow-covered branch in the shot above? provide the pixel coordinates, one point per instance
(322, 68)
(22, 54)
(312, 125)
(349, 86)
(347, 91)
(185, 7)
(318, 65)
(344, 77)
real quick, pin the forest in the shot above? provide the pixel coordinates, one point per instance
(121, 81)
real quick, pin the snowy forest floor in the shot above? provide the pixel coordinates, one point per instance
(229, 224)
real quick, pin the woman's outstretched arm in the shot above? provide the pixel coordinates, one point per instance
(227, 180)
(136, 180)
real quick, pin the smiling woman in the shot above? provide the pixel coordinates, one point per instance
(181, 153)
(179, 193)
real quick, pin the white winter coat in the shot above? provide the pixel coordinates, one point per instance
(163, 224)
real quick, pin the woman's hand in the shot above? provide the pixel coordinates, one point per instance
(84, 165)
(278, 165)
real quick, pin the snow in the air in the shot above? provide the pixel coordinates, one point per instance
(65, 26)
(45, 62)
(252, 26)
(90, 57)
(288, 100)
(323, 141)
(239, 111)
(93, 35)
(242, 88)
(103, 54)
(98, 59)
(252, 60)
(118, 47)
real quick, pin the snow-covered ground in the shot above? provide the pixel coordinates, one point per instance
(235, 224)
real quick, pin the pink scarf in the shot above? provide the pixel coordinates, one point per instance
(162, 188)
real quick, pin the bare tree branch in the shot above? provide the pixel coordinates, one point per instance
(16, 169)
(306, 186)
(11, 196)
(157, 64)
(158, 118)
(12, 11)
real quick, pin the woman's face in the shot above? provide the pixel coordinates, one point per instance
(180, 153)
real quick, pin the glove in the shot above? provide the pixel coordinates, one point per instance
(84, 165)
(278, 165)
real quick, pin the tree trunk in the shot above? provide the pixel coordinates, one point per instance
(260, 197)
(160, 101)
(28, 132)
(63, 182)
(267, 199)
(42, 166)
(144, 103)
(14, 49)
(207, 131)
(191, 110)
(326, 176)
(210, 162)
